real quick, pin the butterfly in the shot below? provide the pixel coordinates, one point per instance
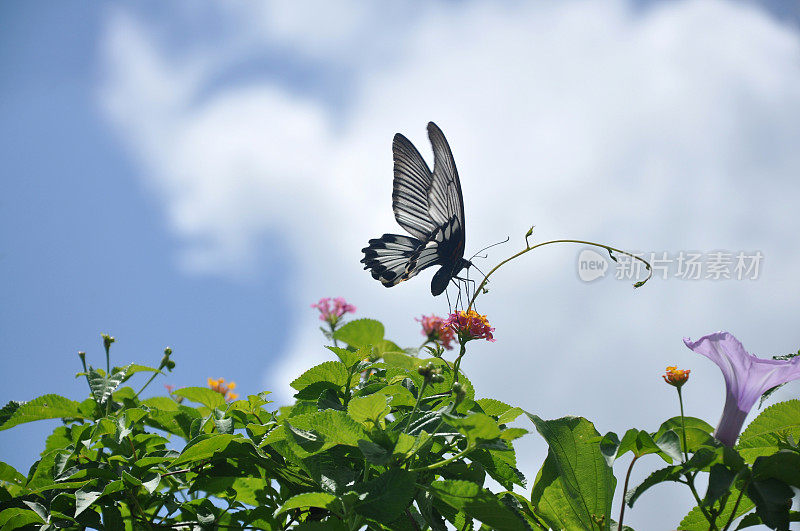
(429, 206)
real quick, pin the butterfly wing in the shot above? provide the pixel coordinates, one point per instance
(423, 200)
(445, 201)
(429, 206)
(393, 258)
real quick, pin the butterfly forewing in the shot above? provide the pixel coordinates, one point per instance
(446, 201)
(412, 182)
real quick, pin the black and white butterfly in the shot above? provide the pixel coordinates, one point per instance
(429, 206)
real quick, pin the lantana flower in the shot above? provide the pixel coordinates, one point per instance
(675, 376)
(219, 386)
(436, 329)
(331, 310)
(470, 325)
(747, 377)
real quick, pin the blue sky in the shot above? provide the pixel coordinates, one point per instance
(85, 249)
(196, 177)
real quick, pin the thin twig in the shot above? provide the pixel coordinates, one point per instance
(583, 242)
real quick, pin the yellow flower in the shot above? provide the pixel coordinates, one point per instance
(676, 377)
(219, 386)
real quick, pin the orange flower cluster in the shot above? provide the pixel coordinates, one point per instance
(675, 376)
(225, 390)
(470, 325)
(435, 329)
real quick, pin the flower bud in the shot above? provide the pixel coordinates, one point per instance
(107, 341)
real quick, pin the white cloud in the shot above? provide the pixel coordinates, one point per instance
(668, 128)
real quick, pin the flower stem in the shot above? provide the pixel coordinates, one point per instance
(443, 462)
(709, 518)
(416, 406)
(457, 363)
(153, 377)
(683, 427)
(735, 507)
(625, 492)
(529, 247)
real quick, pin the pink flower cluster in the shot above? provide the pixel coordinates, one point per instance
(435, 329)
(470, 325)
(331, 310)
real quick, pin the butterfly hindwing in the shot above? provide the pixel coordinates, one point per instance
(393, 258)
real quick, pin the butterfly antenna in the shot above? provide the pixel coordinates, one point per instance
(489, 247)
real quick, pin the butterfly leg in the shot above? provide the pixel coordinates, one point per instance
(449, 306)
(459, 304)
(467, 282)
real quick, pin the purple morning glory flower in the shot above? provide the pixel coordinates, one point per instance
(747, 377)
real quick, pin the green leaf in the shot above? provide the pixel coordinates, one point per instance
(16, 518)
(477, 503)
(762, 436)
(8, 410)
(323, 500)
(500, 465)
(400, 396)
(383, 347)
(783, 465)
(10, 475)
(698, 432)
(372, 408)
(102, 385)
(628, 442)
(641, 443)
(509, 434)
(387, 496)
(374, 453)
(349, 357)
(44, 407)
(334, 373)
(205, 447)
(161, 403)
(587, 480)
(38, 508)
(720, 480)
(335, 426)
(696, 521)
(112, 517)
(670, 473)
(84, 497)
(495, 408)
(133, 368)
(550, 502)
(360, 333)
(670, 444)
(773, 499)
(202, 395)
(151, 484)
(475, 426)
(404, 362)
(609, 447)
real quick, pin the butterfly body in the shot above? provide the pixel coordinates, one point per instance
(430, 207)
